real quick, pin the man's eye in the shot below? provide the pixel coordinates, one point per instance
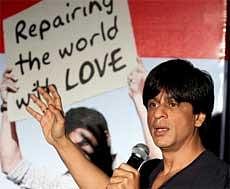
(173, 104)
(152, 105)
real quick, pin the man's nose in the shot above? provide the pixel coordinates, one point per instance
(160, 111)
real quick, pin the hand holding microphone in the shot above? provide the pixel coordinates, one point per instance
(127, 175)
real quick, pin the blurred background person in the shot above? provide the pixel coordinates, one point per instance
(86, 127)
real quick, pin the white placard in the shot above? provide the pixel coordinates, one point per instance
(83, 47)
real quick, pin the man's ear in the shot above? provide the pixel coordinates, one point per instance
(199, 119)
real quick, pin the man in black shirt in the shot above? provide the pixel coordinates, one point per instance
(179, 99)
(206, 171)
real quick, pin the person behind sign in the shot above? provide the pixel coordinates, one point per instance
(179, 100)
(85, 127)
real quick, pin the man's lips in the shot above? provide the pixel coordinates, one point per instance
(160, 131)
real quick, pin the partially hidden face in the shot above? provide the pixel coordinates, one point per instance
(172, 124)
(85, 139)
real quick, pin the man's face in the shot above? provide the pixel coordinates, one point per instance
(85, 139)
(172, 125)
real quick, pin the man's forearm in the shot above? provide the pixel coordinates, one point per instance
(84, 172)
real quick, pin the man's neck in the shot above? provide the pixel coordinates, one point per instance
(175, 161)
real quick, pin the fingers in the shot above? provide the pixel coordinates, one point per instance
(7, 72)
(8, 84)
(124, 171)
(51, 96)
(45, 95)
(56, 97)
(140, 65)
(130, 76)
(11, 87)
(58, 114)
(9, 76)
(35, 114)
(138, 74)
(124, 177)
(50, 99)
(50, 118)
(47, 111)
(135, 81)
(9, 80)
(43, 107)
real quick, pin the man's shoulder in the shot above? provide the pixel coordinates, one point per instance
(212, 171)
(211, 160)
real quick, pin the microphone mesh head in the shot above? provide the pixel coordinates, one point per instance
(141, 150)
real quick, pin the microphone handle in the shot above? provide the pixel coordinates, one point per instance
(135, 161)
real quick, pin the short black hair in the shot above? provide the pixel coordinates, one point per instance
(184, 82)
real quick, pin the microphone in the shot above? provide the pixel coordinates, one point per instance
(140, 153)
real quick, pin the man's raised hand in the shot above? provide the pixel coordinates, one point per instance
(51, 116)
